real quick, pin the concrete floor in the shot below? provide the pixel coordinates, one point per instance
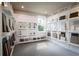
(42, 48)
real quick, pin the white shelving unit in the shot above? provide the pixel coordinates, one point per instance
(27, 29)
(67, 26)
(6, 29)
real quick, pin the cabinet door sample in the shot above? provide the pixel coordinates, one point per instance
(74, 38)
(54, 35)
(75, 14)
(48, 34)
(63, 34)
(29, 25)
(62, 17)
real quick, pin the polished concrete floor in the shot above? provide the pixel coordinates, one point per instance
(42, 48)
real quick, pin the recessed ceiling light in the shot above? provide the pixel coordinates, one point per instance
(0, 3)
(5, 4)
(22, 6)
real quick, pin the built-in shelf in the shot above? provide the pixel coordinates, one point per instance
(30, 41)
(73, 19)
(7, 34)
(68, 22)
(62, 30)
(26, 29)
(62, 17)
(74, 14)
(73, 31)
(65, 20)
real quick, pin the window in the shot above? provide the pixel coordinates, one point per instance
(41, 23)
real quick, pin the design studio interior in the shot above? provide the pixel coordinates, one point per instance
(39, 29)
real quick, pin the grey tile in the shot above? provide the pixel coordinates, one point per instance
(42, 48)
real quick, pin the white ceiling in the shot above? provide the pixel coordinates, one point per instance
(45, 8)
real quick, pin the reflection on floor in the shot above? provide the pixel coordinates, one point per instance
(42, 48)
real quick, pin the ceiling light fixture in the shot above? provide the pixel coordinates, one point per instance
(5, 4)
(0, 3)
(22, 6)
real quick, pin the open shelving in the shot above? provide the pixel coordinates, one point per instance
(68, 23)
(7, 36)
(27, 32)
